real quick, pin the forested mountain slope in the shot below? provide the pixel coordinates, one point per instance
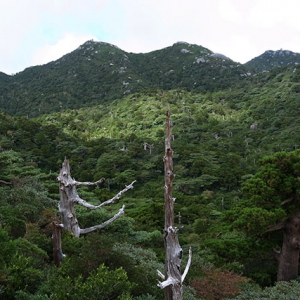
(274, 59)
(99, 72)
(221, 131)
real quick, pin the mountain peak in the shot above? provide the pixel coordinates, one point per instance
(97, 72)
(95, 43)
(273, 59)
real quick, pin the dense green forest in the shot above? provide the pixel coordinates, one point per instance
(236, 159)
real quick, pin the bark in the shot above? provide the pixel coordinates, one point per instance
(289, 255)
(172, 283)
(56, 236)
(4, 182)
(69, 198)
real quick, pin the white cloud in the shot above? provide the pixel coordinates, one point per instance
(269, 13)
(229, 12)
(154, 24)
(240, 48)
(65, 45)
(38, 31)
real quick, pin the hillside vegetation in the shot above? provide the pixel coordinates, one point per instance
(99, 72)
(224, 125)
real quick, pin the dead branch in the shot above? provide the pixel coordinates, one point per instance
(287, 201)
(4, 182)
(275, 227)
(187, 265)
(102, 225)
(78, 183)
(69, 197)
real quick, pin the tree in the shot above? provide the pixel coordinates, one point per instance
(69, 198)
(173, 279)
(272, 204)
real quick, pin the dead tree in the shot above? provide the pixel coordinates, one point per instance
(69, 198)
(56, 236)
(254, 126)
(150, 147)
(172, 279)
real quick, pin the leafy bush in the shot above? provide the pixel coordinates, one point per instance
(101, 284)
(282, 290)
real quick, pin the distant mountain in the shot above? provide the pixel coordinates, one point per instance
(274, 59)
(97, 72)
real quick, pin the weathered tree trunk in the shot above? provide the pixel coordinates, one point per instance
(289, 255)
(56, 236)
(173, 279)
(69, 198)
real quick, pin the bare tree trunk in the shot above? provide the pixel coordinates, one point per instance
(173, 279)
(56, 236)
(289, 255)
(69, 198)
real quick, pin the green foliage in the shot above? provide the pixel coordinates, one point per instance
(224, 208)
(22, 276)
(141, 267)
(102, 283)
(282, 290)
(99, 72)
(275, 182)
(273, 59)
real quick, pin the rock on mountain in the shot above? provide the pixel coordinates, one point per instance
(97, 72)
(274, 59)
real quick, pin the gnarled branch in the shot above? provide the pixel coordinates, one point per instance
(117, 197)
(78, 183)
(102, 225)
(169, 281)
(69, 197)
(4, 182)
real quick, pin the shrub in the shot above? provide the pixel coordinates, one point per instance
(218, 284)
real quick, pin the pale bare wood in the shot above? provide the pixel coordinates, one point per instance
(173, 279)
(102, 225)
(69, 198)
(187, 265)
(78, 183)
(110, 201)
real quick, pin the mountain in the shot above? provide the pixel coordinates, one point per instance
(222, 129)
(98, 72)
(274, 59)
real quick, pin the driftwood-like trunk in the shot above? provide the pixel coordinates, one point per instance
(69, 198)
(173, 279)
(56, 236)
(289, 255)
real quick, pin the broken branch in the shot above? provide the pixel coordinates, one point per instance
(187, 265)
(78, 183)
(90, 229)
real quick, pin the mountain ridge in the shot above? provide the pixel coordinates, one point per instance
(274, 59)
(97, 72)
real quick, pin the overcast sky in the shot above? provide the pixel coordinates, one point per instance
(34, 32)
